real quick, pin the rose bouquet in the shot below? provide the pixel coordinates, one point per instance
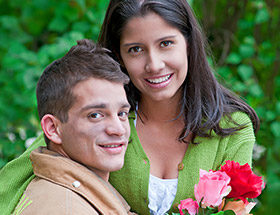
(225, 191)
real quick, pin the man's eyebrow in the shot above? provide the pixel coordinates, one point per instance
(125, 105)
(94, 106)
(103, 106)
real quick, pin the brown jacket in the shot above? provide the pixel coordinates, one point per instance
(63, 186)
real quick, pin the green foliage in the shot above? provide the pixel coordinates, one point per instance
(246, 46)
(33, 33)
(245, 41)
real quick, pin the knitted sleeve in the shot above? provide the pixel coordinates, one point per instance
(240, 145)
(14, 178)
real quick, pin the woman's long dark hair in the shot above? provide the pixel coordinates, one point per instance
(204, 100)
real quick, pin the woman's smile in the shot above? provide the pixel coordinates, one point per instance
(159, 82)
(155, 56)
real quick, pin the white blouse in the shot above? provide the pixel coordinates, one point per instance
(161, 194)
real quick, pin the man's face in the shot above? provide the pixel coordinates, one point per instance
(97, 131)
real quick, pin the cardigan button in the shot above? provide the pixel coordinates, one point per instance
(180, 166)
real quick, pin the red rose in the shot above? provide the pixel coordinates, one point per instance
(244, 183)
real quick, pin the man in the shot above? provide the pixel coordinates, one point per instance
(83, 110)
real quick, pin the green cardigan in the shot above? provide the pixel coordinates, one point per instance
(133, 179)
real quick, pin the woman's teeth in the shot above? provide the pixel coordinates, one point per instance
(159, 80)
(110, 146)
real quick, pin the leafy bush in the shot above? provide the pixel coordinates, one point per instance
(33, 33)
(245, 46)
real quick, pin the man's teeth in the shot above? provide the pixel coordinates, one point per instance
(159, 80)
(110, 146)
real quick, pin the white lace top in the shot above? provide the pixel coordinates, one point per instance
(161, 194)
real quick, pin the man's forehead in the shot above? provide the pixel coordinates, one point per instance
(99, 93)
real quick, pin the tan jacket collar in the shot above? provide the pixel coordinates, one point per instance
(51, 166)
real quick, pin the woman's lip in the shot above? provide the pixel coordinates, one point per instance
(160, 76)
(161, 84)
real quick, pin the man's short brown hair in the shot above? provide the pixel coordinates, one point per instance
(83, 61)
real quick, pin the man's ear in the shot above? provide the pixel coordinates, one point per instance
(50, 125)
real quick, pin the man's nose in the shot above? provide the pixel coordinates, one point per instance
(116, 127)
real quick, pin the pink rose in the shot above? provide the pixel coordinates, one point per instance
(212, 187)
(190, 205)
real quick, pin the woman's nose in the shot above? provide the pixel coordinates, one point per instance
(154, 62)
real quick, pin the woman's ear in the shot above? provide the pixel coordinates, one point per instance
(121, 63)
(50, 125)
(120, 60)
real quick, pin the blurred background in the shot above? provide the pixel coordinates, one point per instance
(244, 40)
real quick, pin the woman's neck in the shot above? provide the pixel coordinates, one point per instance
(159, 111)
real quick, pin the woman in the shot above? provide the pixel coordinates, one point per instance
(182, 119)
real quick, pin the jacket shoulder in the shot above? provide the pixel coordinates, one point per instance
(50, 198)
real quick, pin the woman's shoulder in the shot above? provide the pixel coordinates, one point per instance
(234, 119)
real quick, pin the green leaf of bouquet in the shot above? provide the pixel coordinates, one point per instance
(220, 213)
(228, 212)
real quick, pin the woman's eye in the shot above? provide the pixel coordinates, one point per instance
(95, 115)
(135, 49)
(166, 43)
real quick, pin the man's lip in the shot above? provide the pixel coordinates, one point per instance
(113, 148)
(113, 144)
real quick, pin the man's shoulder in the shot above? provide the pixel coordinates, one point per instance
(51, 198)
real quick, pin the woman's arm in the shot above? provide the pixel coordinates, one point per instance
(15, 176)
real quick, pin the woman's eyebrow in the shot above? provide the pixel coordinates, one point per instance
(158, 40)
(131, 44)
(166, 37)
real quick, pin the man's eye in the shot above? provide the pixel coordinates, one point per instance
(95, 115)
(166, 43)
(123, 114)
(135, 49)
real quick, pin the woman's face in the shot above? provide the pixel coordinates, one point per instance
(155, 56)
